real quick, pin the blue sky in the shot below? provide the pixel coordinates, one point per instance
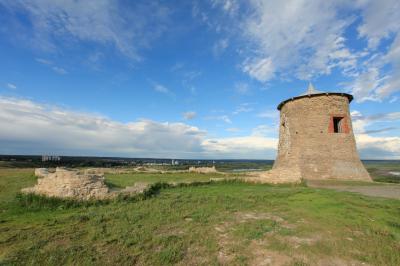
(190, 79)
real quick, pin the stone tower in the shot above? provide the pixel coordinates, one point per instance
(316, 139)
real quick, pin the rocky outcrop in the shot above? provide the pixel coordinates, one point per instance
(64, 183)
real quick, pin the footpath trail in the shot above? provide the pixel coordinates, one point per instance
(374, 189)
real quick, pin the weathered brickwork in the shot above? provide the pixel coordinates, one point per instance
(308, 145)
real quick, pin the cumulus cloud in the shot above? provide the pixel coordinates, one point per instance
(55, 24)
(256, 147)
(371, 147)
(29, 127)
(189, 115)
(376, 147)
(11, 86)
(33, 128)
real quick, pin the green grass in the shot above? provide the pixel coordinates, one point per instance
(193, 224)
(124, 180)
(380, 171)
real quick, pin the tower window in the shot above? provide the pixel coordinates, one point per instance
(338, 124)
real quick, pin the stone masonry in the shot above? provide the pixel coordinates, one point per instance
(316, 140)
(64, 183)
(203, 170)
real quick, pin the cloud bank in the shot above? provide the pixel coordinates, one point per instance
(29, 127)
(32, 128)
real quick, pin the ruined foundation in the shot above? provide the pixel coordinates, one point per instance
(203, 170)
(64, 183)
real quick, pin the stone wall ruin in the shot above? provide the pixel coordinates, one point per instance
(65, 183)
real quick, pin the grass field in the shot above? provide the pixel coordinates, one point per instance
(230, 223)
(384, 171)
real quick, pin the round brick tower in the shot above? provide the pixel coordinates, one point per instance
(316, 139)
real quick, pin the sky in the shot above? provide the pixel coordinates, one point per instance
(191, 79)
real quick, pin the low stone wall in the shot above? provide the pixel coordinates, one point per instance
(275, 176)
(64, 183)
(203, 170)
(87, 184)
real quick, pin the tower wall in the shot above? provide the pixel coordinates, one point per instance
(308, 144)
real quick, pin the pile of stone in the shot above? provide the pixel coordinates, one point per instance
(65, 183)
(203, 170)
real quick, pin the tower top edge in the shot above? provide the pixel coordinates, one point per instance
(315, 94)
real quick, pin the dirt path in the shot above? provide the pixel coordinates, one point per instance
(369, 189)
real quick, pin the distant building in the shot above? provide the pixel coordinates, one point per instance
(50, 158)
(174, 162)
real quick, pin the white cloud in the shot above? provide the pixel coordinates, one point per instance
(380, 19)
(233, 129)
(242, 88)
(43, 61)
(223, 118)
(365, 83)
(59, 70)
(243, 108)
(229, 6)
(378, 75)
(11, 86)
(307, 38)
(33, 128)
(303, 38)
(264, 130)
(104, 22)
(29, 127)
(189, 115)
(378, 147)
(160, 88)
(261, 69)
(360, 122)
(220, 46)
(269, 113)
(253, 146)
